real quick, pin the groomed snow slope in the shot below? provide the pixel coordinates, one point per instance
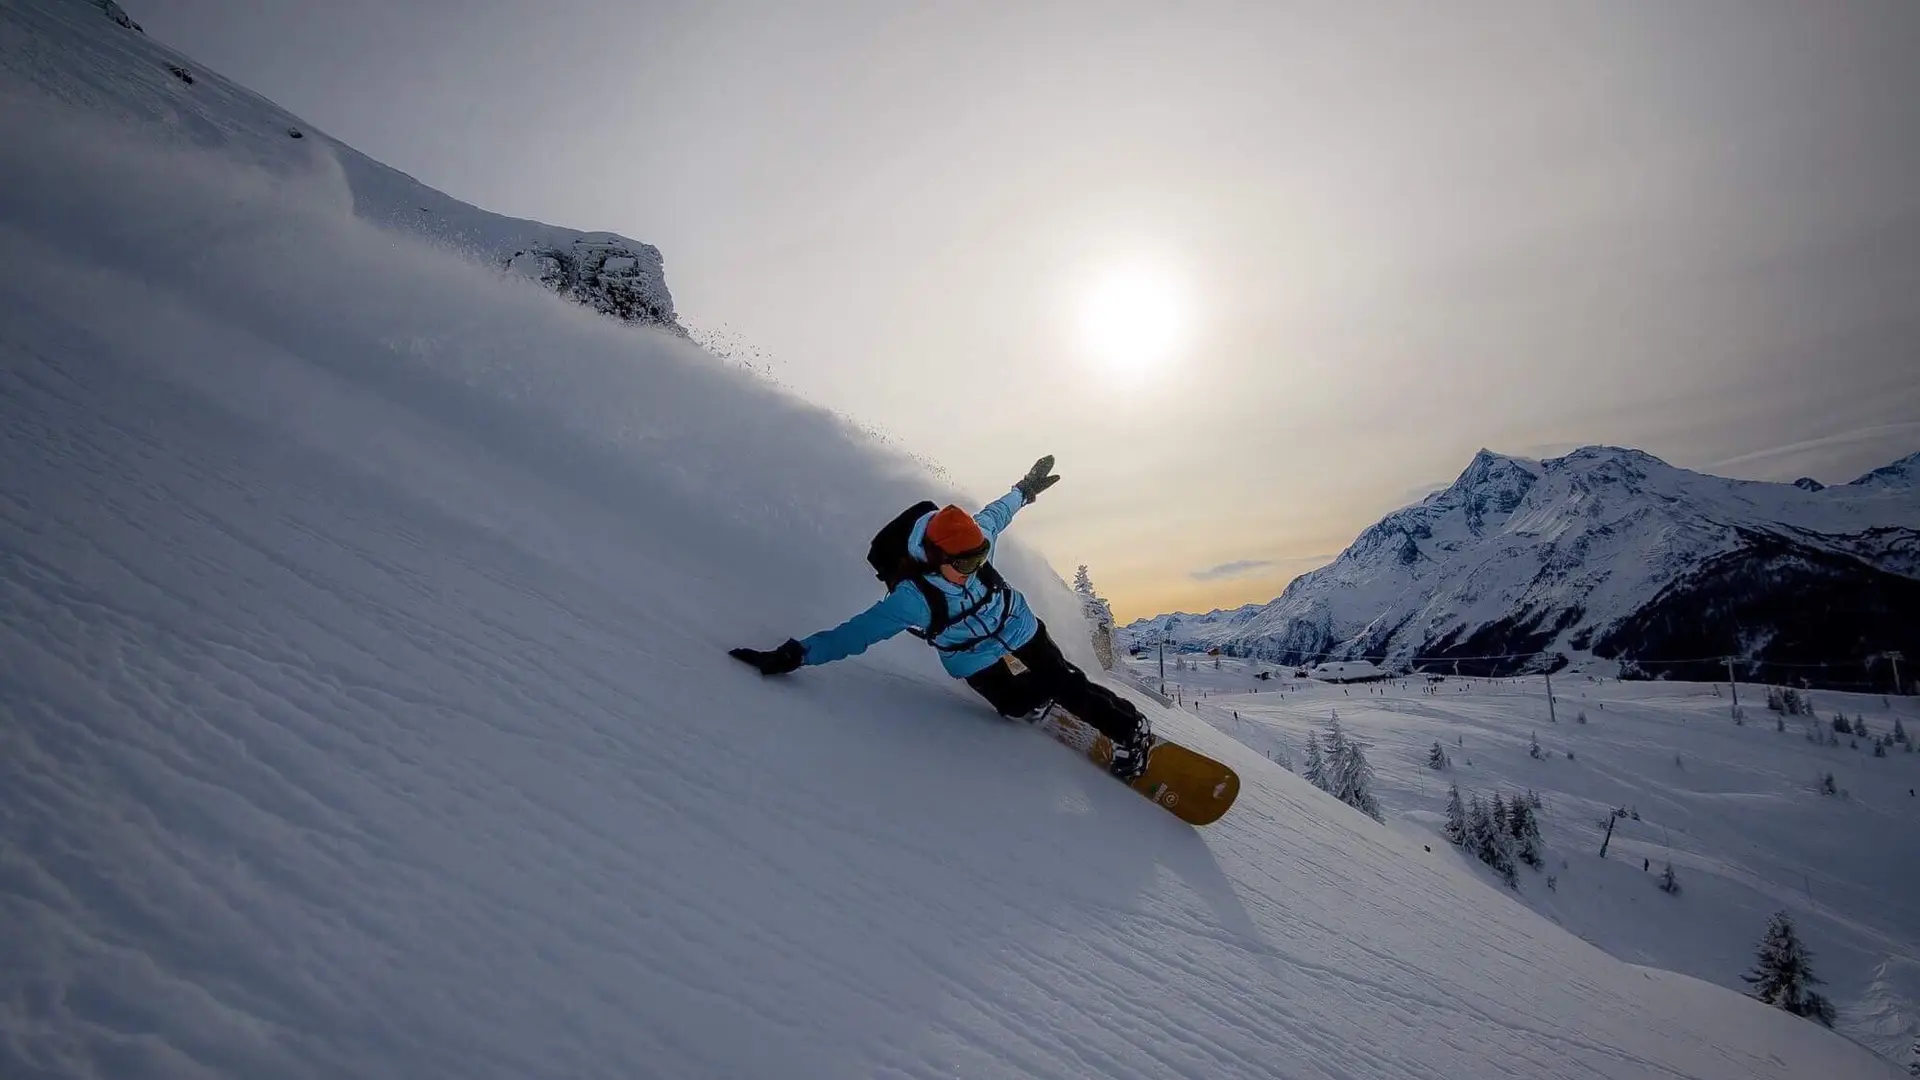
(1735, 808)
(363, 712)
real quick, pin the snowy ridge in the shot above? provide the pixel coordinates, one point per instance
(1605, 552)
(364, 712)
(58, 51)
(1901, 475)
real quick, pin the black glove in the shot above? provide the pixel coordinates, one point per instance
(1037, 480)
(778, 662)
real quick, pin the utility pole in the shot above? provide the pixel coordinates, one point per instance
(1735, 687)
(1163, 666)
(1896, 658)
(1550, 713)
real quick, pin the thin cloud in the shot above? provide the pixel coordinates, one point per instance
(1239, 568)
(1875, 433)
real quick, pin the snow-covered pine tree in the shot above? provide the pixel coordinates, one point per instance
(1455, 830)
(1502, 821)
(1092, 606)
(1783, 976)
(1502, 860)
(1489, 843)
(1316, 771)
(1479, 825)
(1333, 749)
(1355, 781)
(1436, 757)
(1533, 751)
(1525, 830)
(1899, 730)
(1668, 884)
(1099, 616)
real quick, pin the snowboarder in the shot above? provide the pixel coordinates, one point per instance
(985, 624)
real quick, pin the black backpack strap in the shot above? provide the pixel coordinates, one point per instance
(938, 618)
(996, 585)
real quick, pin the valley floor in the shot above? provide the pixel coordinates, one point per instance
(1735, 808)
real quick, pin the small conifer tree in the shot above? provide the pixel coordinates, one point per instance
(1488, 842)
(1436, 757)
(1667, 882)
(1316, 763)
(1525, 830)
(1783, 975)
(1353, 779)
(1533, 751)
(1455, 830)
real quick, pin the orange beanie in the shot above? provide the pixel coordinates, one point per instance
(954, 532)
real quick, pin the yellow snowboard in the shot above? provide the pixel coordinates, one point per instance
(1191, 786)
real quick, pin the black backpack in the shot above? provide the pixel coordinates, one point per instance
(892, 563)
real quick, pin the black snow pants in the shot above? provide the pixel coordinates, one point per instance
(1051, 677)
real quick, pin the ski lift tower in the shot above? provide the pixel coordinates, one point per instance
(1163, 665)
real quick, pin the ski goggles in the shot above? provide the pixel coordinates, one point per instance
(970, 562)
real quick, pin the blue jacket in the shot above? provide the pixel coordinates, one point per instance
(905, 608)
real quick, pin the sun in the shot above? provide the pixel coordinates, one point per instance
(1133, 318)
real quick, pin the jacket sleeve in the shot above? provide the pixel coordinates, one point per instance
(998, 514)
(902, 609)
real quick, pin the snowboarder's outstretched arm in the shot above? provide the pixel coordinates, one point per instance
(902, 609)
(997, 515)
(994, 517)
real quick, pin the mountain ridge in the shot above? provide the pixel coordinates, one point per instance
(613, 274)
(1530, 563)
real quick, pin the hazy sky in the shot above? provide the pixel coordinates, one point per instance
(1373, 238)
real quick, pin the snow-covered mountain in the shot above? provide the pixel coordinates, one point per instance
(1606, 552)
(364, 711)
(128, 75)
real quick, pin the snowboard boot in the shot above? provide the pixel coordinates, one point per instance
(1130, 754)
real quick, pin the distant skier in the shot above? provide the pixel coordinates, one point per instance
(982, 623)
